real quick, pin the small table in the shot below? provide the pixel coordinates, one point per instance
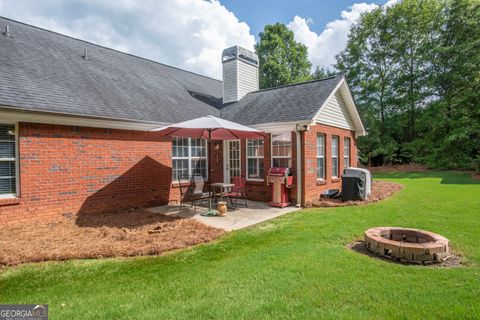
(222, 187)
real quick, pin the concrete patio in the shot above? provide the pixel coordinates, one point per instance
(235, 219)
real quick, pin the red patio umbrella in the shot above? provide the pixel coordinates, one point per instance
(210, 128)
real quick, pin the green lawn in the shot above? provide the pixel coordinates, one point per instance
(295, 266)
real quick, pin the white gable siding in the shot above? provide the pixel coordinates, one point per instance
(335, 113)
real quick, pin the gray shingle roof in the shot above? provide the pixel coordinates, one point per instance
(295, 102)
(44, 71)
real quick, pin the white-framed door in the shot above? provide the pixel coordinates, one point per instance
(231, 160)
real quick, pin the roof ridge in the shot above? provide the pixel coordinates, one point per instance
(298, 83)
(104, 47)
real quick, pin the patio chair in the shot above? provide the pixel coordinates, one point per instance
(192, 191)
(237, 192)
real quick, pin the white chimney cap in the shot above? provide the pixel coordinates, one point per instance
(237, 52)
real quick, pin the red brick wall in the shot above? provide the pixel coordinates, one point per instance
(312, 188)
(293, 190)
(66, 170)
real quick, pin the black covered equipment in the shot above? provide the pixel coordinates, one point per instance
(354, 185)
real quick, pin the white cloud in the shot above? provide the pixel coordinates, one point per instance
(189, 34)
(390, 3)
(323, 47)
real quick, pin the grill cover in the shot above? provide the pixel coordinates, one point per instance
(354, 185)
(368, 176)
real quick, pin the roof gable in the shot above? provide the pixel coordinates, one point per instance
(327, 101)
(297, 102)
(334, 112)
(339, 110)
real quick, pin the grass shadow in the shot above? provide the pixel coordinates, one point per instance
(447, 177)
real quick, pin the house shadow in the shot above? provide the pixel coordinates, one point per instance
(146, 184)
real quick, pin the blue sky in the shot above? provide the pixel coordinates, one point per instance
(191, 34)
(261, 12)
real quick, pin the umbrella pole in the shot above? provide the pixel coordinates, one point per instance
(210, 211)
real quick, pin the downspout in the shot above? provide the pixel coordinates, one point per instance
(299, 167)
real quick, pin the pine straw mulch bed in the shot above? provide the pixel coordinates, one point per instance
(124, 233)
(380, 190)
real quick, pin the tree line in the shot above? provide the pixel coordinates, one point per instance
(414, 71)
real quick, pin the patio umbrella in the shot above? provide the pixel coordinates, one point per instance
(210, 128)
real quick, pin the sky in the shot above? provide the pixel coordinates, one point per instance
(191, 34)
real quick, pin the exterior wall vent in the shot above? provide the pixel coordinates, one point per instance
(7, 31)
(240, 73)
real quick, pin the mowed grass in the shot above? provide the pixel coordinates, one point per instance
(295, 267)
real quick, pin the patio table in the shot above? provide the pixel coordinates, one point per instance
(222, 187)
(211, 128)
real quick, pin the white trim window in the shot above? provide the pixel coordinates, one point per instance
(346, 152)
(8, 161)
(255, 151)
(321, 157)
(282, 150)
(189, 157)
(334, 156)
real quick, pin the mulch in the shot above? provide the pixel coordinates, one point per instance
(120, 233)
(380, 190)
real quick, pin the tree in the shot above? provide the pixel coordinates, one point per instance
(282, 59)
(414, 24)
(415, 74)
(454, 131)
(367, 63)
(322, 72)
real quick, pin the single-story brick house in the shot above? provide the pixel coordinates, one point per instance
(77, 120)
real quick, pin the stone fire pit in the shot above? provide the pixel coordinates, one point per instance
(410, 245)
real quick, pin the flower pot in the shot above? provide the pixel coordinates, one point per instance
(222, 208)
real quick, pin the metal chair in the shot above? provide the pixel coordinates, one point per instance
(238, 192)
(191, 190)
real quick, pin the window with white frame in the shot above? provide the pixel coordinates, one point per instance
(346, 152)
(321, 157)
(282, 150)
(189, 157)
(255, 170)
(8, 175)
(334, 156)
